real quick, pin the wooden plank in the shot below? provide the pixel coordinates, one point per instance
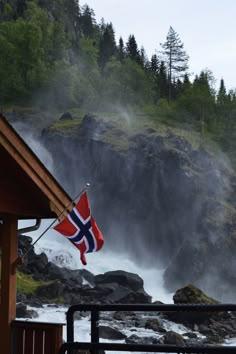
(19, 341)
(29, 341)
(8, 235)
(40, 338)
(33, 167)
(49, 342)
(39, 341)
(38, 176)
(58, 333)
(15, 201)
(53, 339)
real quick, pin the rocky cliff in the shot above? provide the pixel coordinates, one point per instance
(156, 197)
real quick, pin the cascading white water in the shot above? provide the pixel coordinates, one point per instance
(63, 253)
(60, 251)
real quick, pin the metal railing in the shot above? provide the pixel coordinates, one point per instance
(94, 346)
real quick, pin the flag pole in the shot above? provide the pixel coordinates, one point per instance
(44, 232)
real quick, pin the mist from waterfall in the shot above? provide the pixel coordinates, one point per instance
(132, 242)
(60, 251)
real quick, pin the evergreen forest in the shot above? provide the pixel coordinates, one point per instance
(55, 55)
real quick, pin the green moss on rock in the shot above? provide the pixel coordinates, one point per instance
(27, 285)
(192, 295)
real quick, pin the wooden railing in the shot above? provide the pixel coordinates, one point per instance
(36, 337)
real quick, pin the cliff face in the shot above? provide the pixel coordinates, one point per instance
(156, 198)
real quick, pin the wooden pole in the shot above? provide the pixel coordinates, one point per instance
(8, 242)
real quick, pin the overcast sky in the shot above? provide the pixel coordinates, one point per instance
(206, 27)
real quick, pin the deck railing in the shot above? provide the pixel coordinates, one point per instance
(71, 347)
(36, 337)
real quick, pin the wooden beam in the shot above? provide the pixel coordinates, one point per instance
(32, 166)
(8, 237)
(23, 201)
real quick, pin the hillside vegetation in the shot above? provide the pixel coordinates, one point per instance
(55, 56)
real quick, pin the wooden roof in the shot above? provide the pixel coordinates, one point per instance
(27, 189)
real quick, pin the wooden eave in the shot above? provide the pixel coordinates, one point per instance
(27, 188)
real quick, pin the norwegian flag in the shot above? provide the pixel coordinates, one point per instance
(81, 229)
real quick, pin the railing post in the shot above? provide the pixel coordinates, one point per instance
(70, 327)
(94, 328)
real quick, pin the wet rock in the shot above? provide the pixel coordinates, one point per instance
(107, 332)
(155, 325)
(35, 301)
(140, 322)
(71, 297)
(66, 116)
(124, 315)
(36, 264)
(87, 276)
(117, 293)
(129, 280)
(172, 338)
(51, 291)
(24, 243)
(191, 335)
(20, 297)
(69, 277)
(135, 339)
(23, 312)
(214, 339)
(114, 293)
(192, 295)
(216, 326)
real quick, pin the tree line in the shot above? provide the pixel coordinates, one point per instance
(55, 54)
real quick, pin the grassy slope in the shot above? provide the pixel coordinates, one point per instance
(128, 124)
(26, 284)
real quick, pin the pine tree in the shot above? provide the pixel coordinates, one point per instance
(203, 97)
(143, 58)
(121, 50)
(222, 97)
(178, 88)
(176, 58)
(154, 64)
(72, 7)
(160, 83)
(107, 45)
(21, 7)
(132, 49)
(7, 14)
(186, 83)
(87, 22)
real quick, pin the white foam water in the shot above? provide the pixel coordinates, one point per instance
(60, 251)
(63, 253)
